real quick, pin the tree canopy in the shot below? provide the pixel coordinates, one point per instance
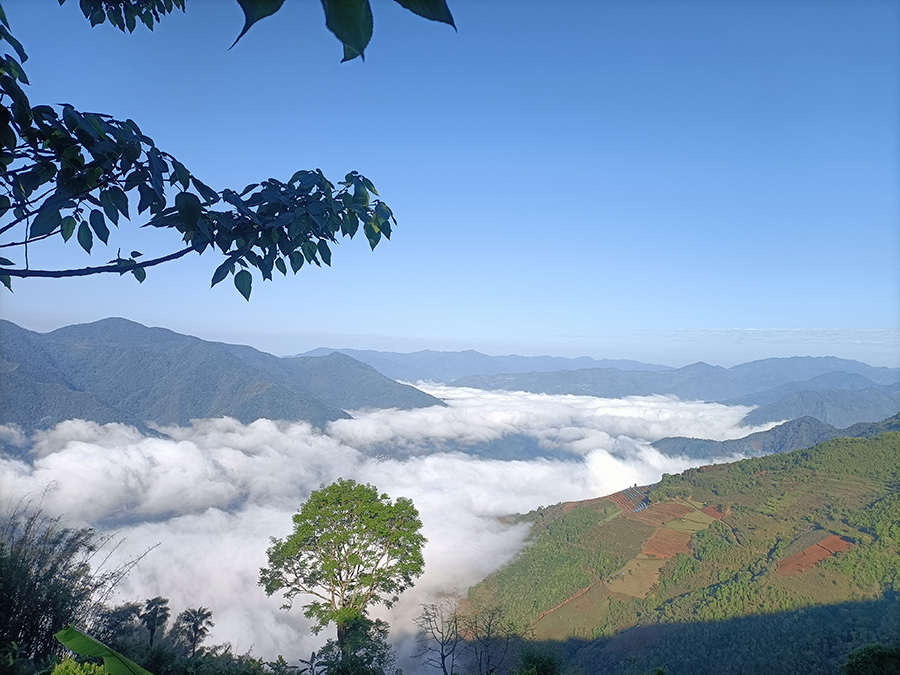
(73, 174)
(351, 547)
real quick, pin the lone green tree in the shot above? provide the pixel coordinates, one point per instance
(351, 548)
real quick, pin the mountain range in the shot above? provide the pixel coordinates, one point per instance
(836, 391)
(797, 434)
(116, 370)
(434, 366)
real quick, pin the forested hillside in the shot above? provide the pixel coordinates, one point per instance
(116, 370)
(791, 560)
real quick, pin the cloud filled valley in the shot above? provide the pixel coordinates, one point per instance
(211, 494)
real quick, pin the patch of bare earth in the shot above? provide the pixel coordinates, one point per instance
(813, 555)
(713, 511)
(666, 543)
(660, 513)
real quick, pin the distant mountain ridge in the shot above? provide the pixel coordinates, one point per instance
(437, 366)
(116, 370)
(835, 391)
(797, 434)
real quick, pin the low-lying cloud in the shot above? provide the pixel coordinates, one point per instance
(213, 493)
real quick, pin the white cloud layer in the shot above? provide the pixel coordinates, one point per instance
(212, 494)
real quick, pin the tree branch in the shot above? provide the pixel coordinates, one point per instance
(86, 271)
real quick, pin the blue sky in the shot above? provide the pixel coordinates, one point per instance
(662, 181)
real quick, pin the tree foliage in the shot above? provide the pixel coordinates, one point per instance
(155, 615)
(351, 21)
(365, 651)
(351, 547)
(71, 175)
(195, 623)
(46, 580)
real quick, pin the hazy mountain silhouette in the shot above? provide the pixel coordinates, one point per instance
(118, 370)
(448, 366)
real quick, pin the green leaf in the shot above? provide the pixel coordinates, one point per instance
(222, 271)
(21, 107)
(297, 260)
(46, 220)
(182, 174)
(372, 234)
(140, 274)
(279, 263)
(130, 18)
(148, 197)
(157, 168)
(6, 262)
(309, 250)
(205, 191)
(324, 251)
(120, 199)
(351, 22)
(254, 10)
(67, 227)
(349, 224)
(5, 205)
(23, 57)
(243, 281)
(6, 280)
(369, 186)
(189, 208)
(109, 206)
(8, 138)
(82, 644)
(99, 226)
(85, 238)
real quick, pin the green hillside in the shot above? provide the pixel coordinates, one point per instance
(760, 541)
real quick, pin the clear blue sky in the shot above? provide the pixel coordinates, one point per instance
(662, 181)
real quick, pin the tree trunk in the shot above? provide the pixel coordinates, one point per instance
(342, 640)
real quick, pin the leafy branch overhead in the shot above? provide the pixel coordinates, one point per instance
(75, 174)
(350, 20)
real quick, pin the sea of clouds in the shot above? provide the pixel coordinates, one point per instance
(212, 494)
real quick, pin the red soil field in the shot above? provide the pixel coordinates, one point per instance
(659, 513)
(834, 543)
(667, 543)
(713, 511)
(812, 555)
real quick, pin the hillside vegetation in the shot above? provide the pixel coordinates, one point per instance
(765, 542)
